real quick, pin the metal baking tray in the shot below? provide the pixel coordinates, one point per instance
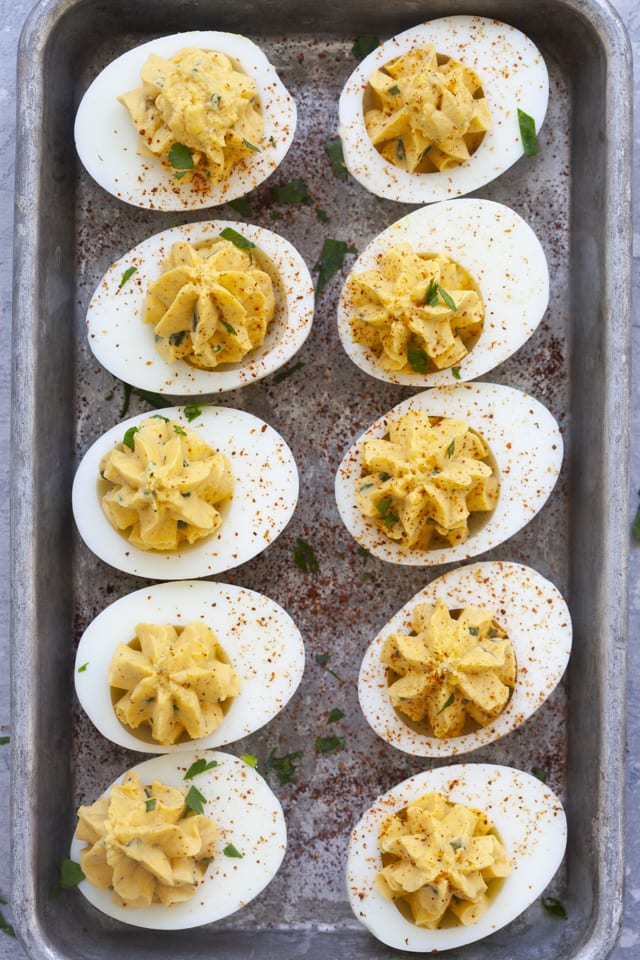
(576, 195)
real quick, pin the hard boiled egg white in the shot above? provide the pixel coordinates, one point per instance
(260, 639)
(534, 616)
(107, 141)
(265, 496)
(523, 437)
(513, 75)
(125, 345)
(502, 255)
(528, 818)
(248, 815)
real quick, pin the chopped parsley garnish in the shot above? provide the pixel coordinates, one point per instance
(553, 906)
(635, 527)
(228, 327)
(175, 339)
(322, 215)
(158, 416)
(180, 159)
(192, 411)
(363, 46)
(126, 399)
(128, 273)
(5, 926)
(71, 875)
(83, 667)
(153, 399)
(362, 551)
(540, 773)
(251, 146)
(448, 703)
(331, 260)
(474, 631)
(458, 844)
(150, 804)
(527, 133)
(401, 153)
(128, 440)
(385, 512)
(455, 373)
(384, 476)
(431, 296)
(329, 744)
(336, 156)
(287, 372)
(418, 359)
(394, 90)
(194, 800)
(199, 766)
(273, 142)
(249, 759)
(322, 659)
(242, 206)
(236, 238)
(335, 715)
(215, 100)
(447, 299)
(231, 851)
(286, 767)
(451, 449)
(304, 556)
(295, 192)
(178, 429)
(4, 740)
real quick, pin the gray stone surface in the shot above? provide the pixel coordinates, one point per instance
(12, 15)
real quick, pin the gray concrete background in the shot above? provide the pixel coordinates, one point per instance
(12, 16)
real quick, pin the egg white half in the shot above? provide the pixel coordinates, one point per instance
(523, 437)
(107, 140)
(259, 637)
(535, 617)
(513, 75)
(125, 345)
(528, 817)
(504, 258)
(248, 815)
(265, 496)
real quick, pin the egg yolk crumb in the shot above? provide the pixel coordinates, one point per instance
(421, 485)
(165, 485)
(416, 312)
(450, 669)
(144, 844)
(176, 681)
(425, 112)
(439, 858)
(212, 304)
(197, 111)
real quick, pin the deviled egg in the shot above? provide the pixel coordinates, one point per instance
(121, 161)
(522, 448)
(508, 75)
(124, 314)
(400, 321)
(240, 848)
(260, 640)
(264, 495)
(527, 820)
(526, 607)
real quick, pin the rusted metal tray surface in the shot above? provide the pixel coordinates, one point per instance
(68, 231)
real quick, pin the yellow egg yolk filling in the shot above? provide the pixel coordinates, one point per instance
(439, 858)
(197, 111)
(212, 304)
(450, 669)
(165, 485)
(423, 114)
(144, 844)
(421, 485)
(175, 681)
(416, 312)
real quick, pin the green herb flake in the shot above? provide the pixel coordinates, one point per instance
(527, 133)
(4, 740)
(128, 440)
(194, 800)
(288, 372)
(199, 766)
(231, 851)
(180, 158)
(363, 46)
(71, 875)
(322, 215)
(334, 715)
(329, 744)
(304, 557)
(431, 296)
(153, 399)
(236, 238)
(215, 100)
(83, 668)
(455, 373)
(553, 906)
(126, 399)
(451, 449)
(394, 90)
(150, 804)
(192, 411)
(336, 156)
(5, 926)
(458, 844)
(241, 205)
(446, 298)
(362, 551)
(635, 527)
(448, 703)
(175, 339)
(158, 416)
(384, 476)
(295, 192)
(540, 773)
(322, 659)
(251, 146)
(285, 767)
(401, 153)
(418, 359)
(385, 512)
(331, 260)
(178, 429)
(250, 760)
(228, 327)
(128, 273)
(273, 142)
(474, 631)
